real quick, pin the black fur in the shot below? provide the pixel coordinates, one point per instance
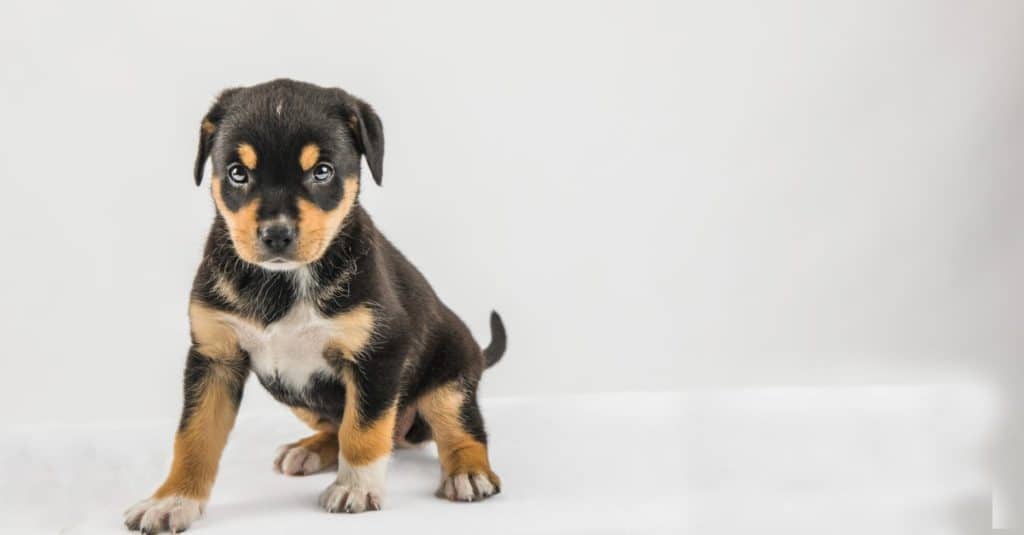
(496, 349)
(324, 395)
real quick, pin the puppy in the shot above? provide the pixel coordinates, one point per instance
(297, 285)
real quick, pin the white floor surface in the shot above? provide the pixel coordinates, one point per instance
(788, 460)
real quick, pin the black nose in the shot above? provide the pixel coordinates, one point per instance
(277, 236)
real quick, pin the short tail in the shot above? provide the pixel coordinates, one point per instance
(494, 351)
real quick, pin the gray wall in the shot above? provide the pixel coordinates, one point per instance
(655, 195)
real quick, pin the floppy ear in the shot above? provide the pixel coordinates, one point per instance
(369, 133)
(207, 131)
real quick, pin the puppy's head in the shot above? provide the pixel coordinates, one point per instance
(285, 158)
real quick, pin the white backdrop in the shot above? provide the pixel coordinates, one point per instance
(654, 195)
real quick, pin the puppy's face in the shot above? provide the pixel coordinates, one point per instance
(285, 158)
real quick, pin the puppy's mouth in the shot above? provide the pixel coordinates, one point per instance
(279, 263)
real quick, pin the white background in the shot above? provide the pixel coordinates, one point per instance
(657, 196)
(654, 195)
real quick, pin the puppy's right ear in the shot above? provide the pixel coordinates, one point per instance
(208, 130)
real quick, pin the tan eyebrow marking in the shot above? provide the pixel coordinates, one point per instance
(309, 156)
(247, 154)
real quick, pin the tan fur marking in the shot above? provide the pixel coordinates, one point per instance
(460, 453)
(241, 224)
(317, 228)
(247, 155)
(213, 336)
(314, 421)
(224, 288)
(309, 156)
(353, 331)
(197, 448)
(363, 442)
(324, 444)
(208, 127)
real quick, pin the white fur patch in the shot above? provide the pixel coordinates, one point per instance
(287, 265)
(296, 461)
(357, 488)
(467, 487)
(290, 348)
(154, 515)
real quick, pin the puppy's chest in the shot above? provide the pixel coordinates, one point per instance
(290, 350)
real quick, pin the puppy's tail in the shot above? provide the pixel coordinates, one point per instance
(494, 351)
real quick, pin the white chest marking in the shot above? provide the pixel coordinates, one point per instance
(290, 348)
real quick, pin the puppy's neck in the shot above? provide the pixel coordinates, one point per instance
(266, 295)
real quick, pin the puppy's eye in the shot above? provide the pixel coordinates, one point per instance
(238, 174)
(322, 172)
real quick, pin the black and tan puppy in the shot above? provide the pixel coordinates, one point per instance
(298, 286)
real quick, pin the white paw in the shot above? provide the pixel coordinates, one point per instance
(296, 461)
(173, 513)
(342, 498)
(357, 489)
(467, 487)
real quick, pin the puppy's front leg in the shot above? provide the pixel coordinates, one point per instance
(365, 437)
(215, 374)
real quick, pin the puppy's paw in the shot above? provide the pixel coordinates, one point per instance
(345, 498)
(469, 487)
(173, 513)
(295, 460)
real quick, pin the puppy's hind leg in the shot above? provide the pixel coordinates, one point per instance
(311, 454)
(453, 415)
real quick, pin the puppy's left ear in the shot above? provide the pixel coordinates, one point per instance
(369, 133)
(208, 130)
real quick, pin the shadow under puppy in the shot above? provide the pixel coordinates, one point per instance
(297, 285)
